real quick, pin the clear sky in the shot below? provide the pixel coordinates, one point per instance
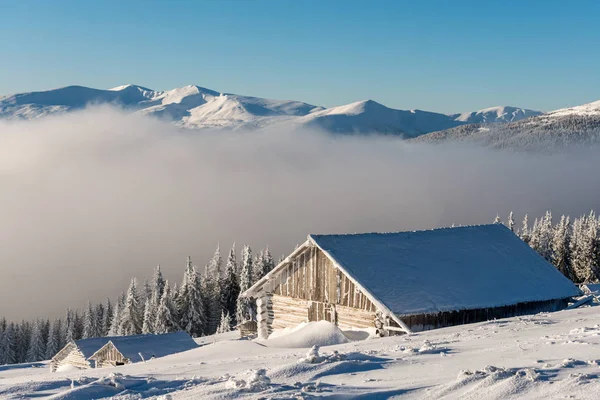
(445, 56)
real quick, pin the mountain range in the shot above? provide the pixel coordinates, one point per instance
(196, 107)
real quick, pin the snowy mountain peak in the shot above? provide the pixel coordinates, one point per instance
(496, 114)
(130, 86)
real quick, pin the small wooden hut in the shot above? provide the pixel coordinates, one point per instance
(120, 350)
(409, 281)
(76, 353)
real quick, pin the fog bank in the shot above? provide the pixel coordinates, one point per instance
(93, 198)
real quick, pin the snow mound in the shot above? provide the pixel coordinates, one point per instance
(257, 381)
(320, 333)
(67, 368)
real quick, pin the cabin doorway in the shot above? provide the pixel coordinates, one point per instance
(318, 311)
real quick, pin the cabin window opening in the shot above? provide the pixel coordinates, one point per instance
(119, 363)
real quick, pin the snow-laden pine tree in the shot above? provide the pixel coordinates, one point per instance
(192, 311)
(511, 222)
(497, 220)
(77, 325)
(225, 323)
(131, 315)
(263, 264)
(244, 305)
(165, 321)
(8, 345)
(230, 287)
(107, 317)
(146, 293)
(157, 288)
(90, 322)
(578, 248)
(561, 253)
(115, 325)
(37, 346)
(148, 324)
(545, 236)
(23, 340)
(593, 248)
(68, 327)
(525, 234)
(53, 342)
(211, 291)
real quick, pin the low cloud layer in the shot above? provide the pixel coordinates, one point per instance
(92, 198)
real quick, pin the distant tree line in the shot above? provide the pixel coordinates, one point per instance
(572, 246)
(204, 303)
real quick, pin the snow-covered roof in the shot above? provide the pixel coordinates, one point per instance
(150, 345)
(446, 269)
(91, 345)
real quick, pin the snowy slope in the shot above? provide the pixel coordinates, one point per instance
(546, 356)
(496, 114)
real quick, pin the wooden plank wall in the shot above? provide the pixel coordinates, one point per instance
(109, 356)
(312, 276)
(311, 288)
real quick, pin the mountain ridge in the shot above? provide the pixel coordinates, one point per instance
(196, 107)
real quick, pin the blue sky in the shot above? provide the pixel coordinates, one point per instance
(435, 55)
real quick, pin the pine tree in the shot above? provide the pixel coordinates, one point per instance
(90, 322)
(77, 326)
(230, 287)
(115, 326)
(225, 323)
(37, 346)
(525, 234)
(511, 222)
(593, 249)
(561, 254)
(148, 324)
(165, 321)
(578, 250)
(107, 317)
(192, 311)
(244, 309)
(497, 220)
(53, 342)
(23, 340)
(131, 316)
(211, 290)
(68, 327)
(157, 287)
(8, 345)
(263, 265)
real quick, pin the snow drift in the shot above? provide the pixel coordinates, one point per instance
(320, 333)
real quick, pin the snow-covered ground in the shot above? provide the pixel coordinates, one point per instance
(545, 356)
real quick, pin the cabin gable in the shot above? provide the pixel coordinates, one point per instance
(71, 355)
(109, 356)
(308, 286)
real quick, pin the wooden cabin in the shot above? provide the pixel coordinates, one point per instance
(409, 281)
(120, 350)
(76, 353)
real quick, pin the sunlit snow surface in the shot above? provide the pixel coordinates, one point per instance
(546, 356)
